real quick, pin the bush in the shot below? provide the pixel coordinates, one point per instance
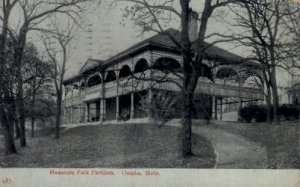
(247, 113)
(261, 113)
(289, 112)
(258, 113)
(161, 108)
(124, 115)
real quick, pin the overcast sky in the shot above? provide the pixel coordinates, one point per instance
(110, 33)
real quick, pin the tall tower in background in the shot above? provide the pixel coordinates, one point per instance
(98, 37)
(89, 40)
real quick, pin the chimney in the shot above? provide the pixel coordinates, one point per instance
(193, 30)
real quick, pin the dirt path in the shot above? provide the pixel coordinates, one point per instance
(232, 151)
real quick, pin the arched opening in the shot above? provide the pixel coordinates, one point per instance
(111, 76)
(82, 86)
(206, 72)
(252, 82)
(251, 79)
(75, 89)
(68, 91)
(226, 73)
(94, 80)
(141, 66)
(167, 65)
(125, 72)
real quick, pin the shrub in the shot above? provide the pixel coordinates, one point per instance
(258, 113)
(161, 107)
(124, 115)
(289, 112)
(247, 113)
(261, 113)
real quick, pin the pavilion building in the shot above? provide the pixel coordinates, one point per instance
(106, 90)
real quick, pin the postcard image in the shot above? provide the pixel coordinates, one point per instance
(149, 93)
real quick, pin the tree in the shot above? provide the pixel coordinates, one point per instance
(6, 99)
(292, 25)
(58, 59)
(262, 30)
(151, 16)
(34, 13)
(36, 80)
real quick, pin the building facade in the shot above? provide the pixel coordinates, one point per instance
(112, 89)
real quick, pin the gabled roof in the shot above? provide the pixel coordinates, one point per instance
(163, 41)
(89, 64)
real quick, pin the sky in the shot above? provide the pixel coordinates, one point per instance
(107, 32)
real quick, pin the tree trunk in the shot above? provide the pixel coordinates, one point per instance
(268, 96)
(20, 100)
(187, 92)
(275, 96)
(58, 114)
(33, 106)
(17, 129)
(273, 84)
(32, 127)
(188, 97)
(15, 120)
(21, 108)
(8, 133)
(187, 123)
(5, 99)
(269, 105)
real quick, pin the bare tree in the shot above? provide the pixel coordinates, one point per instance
(262, 24)
(36, 79)
(34, 13)
(292, 24)
(58, 59)
(6, 99)
(152, 15)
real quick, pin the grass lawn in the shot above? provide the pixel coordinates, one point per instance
(282, 142)
(112, 146)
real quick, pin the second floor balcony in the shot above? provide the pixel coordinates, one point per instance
(145, 80)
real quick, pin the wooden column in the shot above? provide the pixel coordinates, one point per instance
(104, 109)
(72, 116)
(213, 106)
(87, 112)
(79, 118)
(65, 104)
(98, 111)
(71, 108)
(216, 108)
(221, 107)
(132, 106)
(117, 108)
(102, 105)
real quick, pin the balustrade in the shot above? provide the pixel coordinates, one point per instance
(127, 85)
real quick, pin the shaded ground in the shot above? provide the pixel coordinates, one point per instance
(232, 150)
(281, 142)
(117, 146)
